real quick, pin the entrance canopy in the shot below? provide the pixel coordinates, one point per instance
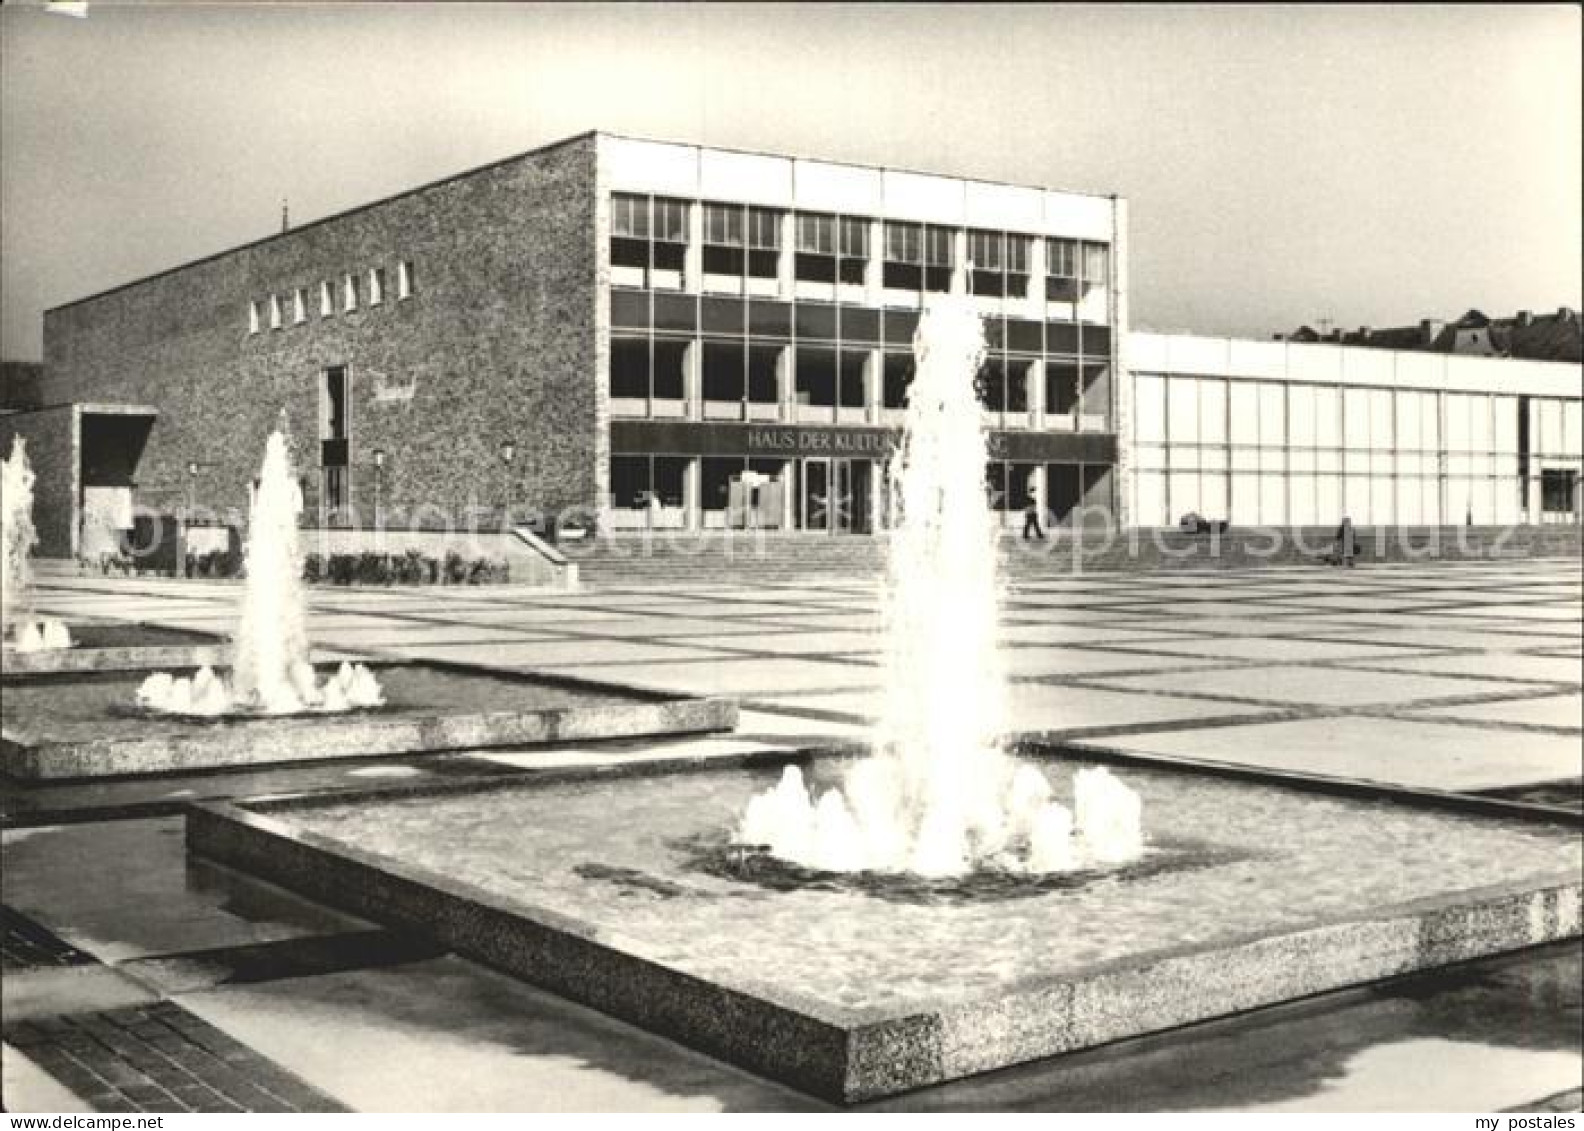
(85, 457)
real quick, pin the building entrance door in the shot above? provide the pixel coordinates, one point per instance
(814, 495)
(854, 478)
(836, 496)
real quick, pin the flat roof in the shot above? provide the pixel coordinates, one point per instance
(500, 161)
(851, 164)
(1329, 363)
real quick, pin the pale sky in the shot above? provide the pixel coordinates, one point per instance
(1284, 164)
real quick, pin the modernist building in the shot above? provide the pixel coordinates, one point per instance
(681, 336)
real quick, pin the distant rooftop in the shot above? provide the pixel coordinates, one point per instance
(1557, 336)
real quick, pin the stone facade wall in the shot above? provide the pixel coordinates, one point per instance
(497, 340)
(21, 384)
(52, 436)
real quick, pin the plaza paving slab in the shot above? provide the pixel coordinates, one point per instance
(1092, 661)
(659, 628)
(1564, 712)
(1294, 684)
(1417, 754)
(800, 643)
(1188, 627)
(1164, 614)
(1035, 628)
(858, 620)
(553, 654)
(1356, 602)
(1273, 650)
(1046, 708)
(533, 612)
(733, 675)
(389, 635)
(420, 632)
(1560, 615)
(1494, 665)
(862, 706)
(1432, 621)
(1413, 635)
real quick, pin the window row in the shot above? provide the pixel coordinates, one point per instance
(732, 372)
(658, 484)
(831, 322)
(1204, 410)
(346, 294)
(1183, 457)
(743, 245)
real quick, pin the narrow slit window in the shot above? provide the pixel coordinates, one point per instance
(404, 279)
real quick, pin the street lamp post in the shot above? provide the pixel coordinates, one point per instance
(180, 568)
(379, 473)
(508, 452)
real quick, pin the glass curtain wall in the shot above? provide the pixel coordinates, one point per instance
(1276, 453)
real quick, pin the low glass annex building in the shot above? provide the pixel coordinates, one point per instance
(676, 336)
(1295, 434)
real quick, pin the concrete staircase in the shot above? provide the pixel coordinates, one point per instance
(738, 557)
(724, 557)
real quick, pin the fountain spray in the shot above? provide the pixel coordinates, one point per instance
(271, 669)
(271, 673)
(939, 795)
(17, 539)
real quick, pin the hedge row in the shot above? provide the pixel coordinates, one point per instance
(410, 568)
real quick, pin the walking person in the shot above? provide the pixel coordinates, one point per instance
(1031, 514)
(1346, 543)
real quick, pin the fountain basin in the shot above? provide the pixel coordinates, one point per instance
(102, 646)
(618, 889)
(84, 725)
